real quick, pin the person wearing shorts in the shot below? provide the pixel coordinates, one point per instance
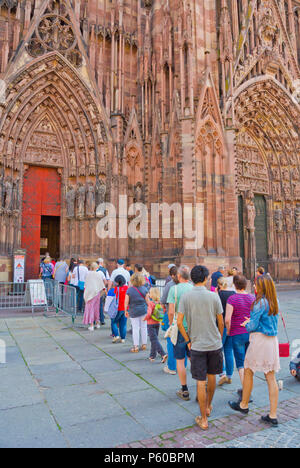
(203, 312)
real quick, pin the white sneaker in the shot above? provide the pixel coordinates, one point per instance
(168, 371)
(91, 328)
(98, 327)
(122, 341)
(116, 339)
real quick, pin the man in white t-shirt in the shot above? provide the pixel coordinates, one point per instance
(79, 275)
(120, 270)
(105, 276)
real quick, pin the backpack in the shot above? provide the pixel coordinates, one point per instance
(104, 270)
(157, 313)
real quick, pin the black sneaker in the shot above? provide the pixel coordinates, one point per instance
(272, 421)
(235, 405)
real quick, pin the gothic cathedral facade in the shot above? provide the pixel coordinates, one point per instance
(161, 101)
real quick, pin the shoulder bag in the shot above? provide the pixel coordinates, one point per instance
(172, 331)
(284, 348)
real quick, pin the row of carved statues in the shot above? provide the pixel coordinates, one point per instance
(10, 200)
(287, 219)
(83, 199)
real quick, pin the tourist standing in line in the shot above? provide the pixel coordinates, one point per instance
(181, 350)
(93, 287)
(136, 305)
(120, 270)
(106, 278)
(119, 323)
(171, 367)
(46, 269)
(78, 277)
(263, 352)
(128, 268)
(260, 271)
(228, 368)
(153, 320)
(215, 276)
(229, 280)
(61, 271)
(237, 309)
(169, 277)
(202, 310)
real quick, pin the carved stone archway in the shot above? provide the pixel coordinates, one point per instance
(50, 118)
(268, 160)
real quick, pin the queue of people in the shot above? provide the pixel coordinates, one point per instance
(211, 321)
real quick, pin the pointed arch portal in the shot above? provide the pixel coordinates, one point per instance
(267, 159)
(55, 152)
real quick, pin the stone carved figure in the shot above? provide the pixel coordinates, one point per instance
(297, 217)
(16, 195)
(100, 192)
(80, 197)
(90, 201)
(278, 220)
(70, 201)
(138, 193)
(289, 218)
(251, 211)
(2, 192)
(8, 195)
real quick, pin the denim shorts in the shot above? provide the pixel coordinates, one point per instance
(181, 350)
(240, 345)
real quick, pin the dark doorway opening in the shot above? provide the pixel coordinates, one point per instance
(261, 231)
(49, 241)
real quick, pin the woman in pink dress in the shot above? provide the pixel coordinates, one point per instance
(94, 288)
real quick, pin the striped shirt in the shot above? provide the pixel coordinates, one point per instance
(241, 304)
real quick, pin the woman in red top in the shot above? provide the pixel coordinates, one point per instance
(119, 324)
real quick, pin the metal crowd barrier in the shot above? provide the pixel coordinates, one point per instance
(22, 296)
(37, 294)
(65, 300)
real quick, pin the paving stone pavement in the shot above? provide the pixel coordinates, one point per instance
(64, 387)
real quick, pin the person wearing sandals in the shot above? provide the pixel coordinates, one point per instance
(136, 305)
(203, 312)
(94, 288)
(153, 326)
(119, 323)
(181, 351)
(224, 294)
(263, 351)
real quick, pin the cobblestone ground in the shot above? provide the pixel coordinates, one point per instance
(236, 431)
(67, 387)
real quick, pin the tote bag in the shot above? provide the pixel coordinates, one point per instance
(114, 306)
(172, 331)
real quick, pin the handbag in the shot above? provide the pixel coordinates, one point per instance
(284, 348)
(172, 331)
(112, 311)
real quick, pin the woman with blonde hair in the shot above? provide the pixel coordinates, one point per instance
(46, 269)
(229, 280)
(136, 305)
(263, 352)
(94, 288)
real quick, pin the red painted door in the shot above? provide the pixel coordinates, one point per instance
(41, 197)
